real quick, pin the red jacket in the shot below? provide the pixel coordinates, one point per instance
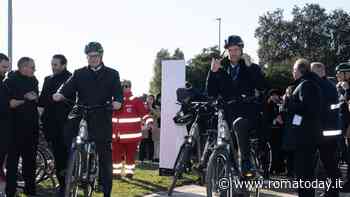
(127, 121)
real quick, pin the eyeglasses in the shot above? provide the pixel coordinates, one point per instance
(126, 86)
(94, 56)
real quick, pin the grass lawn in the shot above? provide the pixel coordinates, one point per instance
(146, 181)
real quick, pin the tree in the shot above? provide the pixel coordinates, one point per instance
(312, 34)
(198, 67)
(163, 54)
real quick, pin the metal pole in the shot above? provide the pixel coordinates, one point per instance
(9, 35)
(219, 19)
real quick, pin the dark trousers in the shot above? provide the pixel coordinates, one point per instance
(305, 168)
(54, 135)
(60, 153)
(4, 144)
(146, 149)
(24, 147)
(276, 146)
(289, 156)
(104, 151)
(328, 157)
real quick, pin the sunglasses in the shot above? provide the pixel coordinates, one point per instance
(126, 86)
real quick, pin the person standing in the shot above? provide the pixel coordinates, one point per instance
(305, 106)
(95, 84)
(127, 132)
(23, 87)
(5, 114)
(55, 114)
(331, 128)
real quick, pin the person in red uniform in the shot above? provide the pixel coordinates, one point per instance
(127, 132)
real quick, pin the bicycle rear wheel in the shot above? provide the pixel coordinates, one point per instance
(73, 174)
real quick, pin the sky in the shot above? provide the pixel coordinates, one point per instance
(133, 31)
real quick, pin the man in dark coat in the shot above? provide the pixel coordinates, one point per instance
(95, 84)
(305, 106)
(23, 88)
(235, 77)
(5, 120)
(331, 128)
(343, 88)
(55, 114)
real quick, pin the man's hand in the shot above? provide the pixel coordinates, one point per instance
(344, 85)
(57, 97)
(15, 103)
(215, 65)
(31, 96)
(116, 105)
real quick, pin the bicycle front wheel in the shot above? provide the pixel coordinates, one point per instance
(180, 165)
(73, 174)
(219, 173)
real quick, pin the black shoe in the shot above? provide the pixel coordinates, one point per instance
(129, 176)
(117, 176)
(247, 169)
(346, 187)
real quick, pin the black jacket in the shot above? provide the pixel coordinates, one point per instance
(5, 115)
(96, 88)
(25, 116)
(330, 120)
(344, 97)
(249, 79)
(54, 113)
(307, 103)
(4, 101)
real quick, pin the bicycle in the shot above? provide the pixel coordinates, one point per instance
(224, 167)
(83, 168)
(192, 152)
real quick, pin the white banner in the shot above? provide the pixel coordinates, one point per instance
(171, 135)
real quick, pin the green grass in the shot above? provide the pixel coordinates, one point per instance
(145, 181)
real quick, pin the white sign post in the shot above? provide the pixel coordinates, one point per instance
(171, 135)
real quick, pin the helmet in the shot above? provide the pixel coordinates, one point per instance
(343, 67)
(234, 40)
(93, 47)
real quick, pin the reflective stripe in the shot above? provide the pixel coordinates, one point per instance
(120, 165)
(117, 171)
(114, 136)
(146, 116)
(132, 98)
(149, 120)
(126, 120)
(335, 106)
(129, 172)
(130, 136)
(130, 167)
(331, 132)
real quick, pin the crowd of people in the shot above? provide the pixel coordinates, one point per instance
(116, 132)
(311, 115)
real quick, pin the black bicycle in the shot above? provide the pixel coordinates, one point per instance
(224, 170)
(197, 145)
(83, 168)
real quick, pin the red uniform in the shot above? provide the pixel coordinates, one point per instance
(127, 133)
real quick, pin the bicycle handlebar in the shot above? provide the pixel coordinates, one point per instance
(107, 105)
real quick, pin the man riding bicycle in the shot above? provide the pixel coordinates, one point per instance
(95, 85)
(234, 77)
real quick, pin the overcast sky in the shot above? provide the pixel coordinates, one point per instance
(132, 31)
